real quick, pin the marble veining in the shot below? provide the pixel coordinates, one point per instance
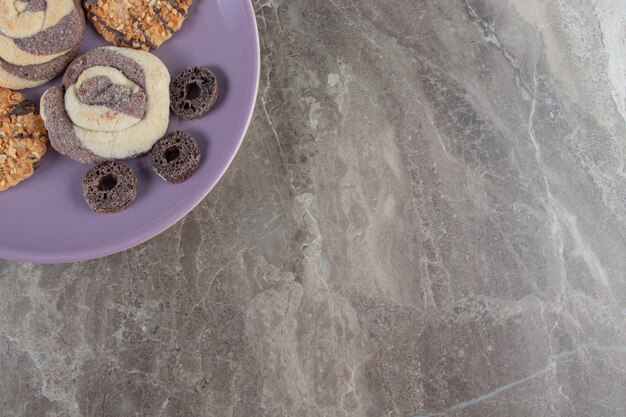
(427, 218)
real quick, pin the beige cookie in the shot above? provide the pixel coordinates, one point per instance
(38, 39)
(139, 24)
(114, 104)
(23, 138)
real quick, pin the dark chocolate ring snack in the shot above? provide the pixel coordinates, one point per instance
(175, 157)
(109, 187)
(193, 93)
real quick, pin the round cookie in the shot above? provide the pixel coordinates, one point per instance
(139, 24)
(114, 104)
(38, 39)
(175, 157)
(22, 138)
(193, 93)
(109, 187)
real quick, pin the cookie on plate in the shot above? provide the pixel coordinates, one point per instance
(22, 138)
(114, 104)
(139, 24)
(38, 39)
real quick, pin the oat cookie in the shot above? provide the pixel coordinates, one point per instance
(23, 138)
(139, 24)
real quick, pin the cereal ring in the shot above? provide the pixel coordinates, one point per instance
(23, 138)
(139, 24)
(176, 157)
(109, 187)
(193, 93)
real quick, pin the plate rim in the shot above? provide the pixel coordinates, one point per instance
(177, 215)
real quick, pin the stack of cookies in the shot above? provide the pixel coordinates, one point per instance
(114, 102)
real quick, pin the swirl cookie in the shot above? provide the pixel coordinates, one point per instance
(38, 39)
(22, 138)
(114, 104)
(140, 24)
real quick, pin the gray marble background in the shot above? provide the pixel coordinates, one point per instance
(427, 218)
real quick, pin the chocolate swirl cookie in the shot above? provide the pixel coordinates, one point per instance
(114, 104)
(38, 39)
(140, 24)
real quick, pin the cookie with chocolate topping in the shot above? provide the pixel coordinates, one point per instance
(139, 24)
(23, 138)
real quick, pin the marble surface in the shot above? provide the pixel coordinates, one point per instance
(427, 218)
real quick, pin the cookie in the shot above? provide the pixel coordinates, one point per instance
(38, 39)
(139, 24)
(193, 93)
(114, 104)
(176, 157)
(22, 138)
(109, 187)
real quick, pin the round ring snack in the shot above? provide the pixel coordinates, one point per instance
(38, 39)
(175, 157)
(139, 24)
(109, 187)
(193, 93)
(22, 138)
(114, 104)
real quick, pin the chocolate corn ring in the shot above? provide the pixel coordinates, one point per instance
(176, 157)
(38, 39)
(114, 104)
(184, 104)
(109, 187)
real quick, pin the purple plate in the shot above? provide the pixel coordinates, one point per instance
(46, 220)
